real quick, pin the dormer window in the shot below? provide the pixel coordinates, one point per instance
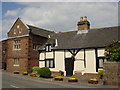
(48, 47)
(14, 31)
(20, 30)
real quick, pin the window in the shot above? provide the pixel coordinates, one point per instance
(16, 61)
(18, 26)
(36, 47)
(48, 47)
(101, 61)
(16, 45)
(49, 63)
(15, 31)
(20, 30)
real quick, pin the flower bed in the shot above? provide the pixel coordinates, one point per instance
(25, 73)
(33, 75)
(72, 80)
(16, 72)
(93, 81)
(58, 78)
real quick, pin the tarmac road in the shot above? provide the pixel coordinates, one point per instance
(10, 80)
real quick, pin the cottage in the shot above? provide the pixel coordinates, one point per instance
(77, 52)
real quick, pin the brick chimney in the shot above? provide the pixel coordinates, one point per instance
(83, 24)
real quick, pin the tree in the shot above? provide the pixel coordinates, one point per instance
(113, 51)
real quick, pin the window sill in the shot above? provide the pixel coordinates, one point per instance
(16, 65)
(16, 49)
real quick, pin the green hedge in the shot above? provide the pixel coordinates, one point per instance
(45, 72)
(36, 70)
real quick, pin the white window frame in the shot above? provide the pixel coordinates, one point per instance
(16, 45)
(16, 62)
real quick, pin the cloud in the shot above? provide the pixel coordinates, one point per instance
(12, 12)
(64, 16)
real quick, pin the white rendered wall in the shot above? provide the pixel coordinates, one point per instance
(90, 61)
(68, 54)
(79, 62)
(42, 56)
(49, 55)
(59, 62)
(41, 64)
(101, 52)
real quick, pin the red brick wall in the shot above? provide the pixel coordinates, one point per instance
(23, 63)
(24, 29)
(21, 54)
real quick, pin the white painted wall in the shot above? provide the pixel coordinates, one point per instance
(101, 52)
(49, 55)
(41, 64)
(59, 61)
(68, 54)
(90, 61)
(79, 62)
(42, 56)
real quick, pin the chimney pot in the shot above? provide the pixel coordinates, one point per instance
(81, 18)
(85, 18)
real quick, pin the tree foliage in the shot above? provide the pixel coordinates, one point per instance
(113, 51)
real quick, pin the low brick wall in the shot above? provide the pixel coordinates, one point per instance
(111, 73)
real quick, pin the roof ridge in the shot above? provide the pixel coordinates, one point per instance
(88, 29)
(39, 28)
(104, 27)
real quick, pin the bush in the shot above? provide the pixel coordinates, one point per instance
(100, 72)
(36, 70)
(45, 72)
(113, 51)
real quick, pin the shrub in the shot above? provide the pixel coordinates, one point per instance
(100, 72)
(113, 51)
(45, 72)
(36, 70)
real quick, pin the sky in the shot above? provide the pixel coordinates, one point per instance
(58, 16)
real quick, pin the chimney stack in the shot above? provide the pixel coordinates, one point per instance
(83, 24)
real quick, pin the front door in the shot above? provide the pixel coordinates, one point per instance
(69, 66)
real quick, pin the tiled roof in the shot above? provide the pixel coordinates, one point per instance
(99, 37)
(39, 31)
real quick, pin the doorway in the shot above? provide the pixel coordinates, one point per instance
(69, 66)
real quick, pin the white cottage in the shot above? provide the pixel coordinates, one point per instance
(80, 51)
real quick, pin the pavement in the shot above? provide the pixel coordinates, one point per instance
(10, 80)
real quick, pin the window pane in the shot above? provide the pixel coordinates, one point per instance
(51, 63)
(47, 63)
(100, 62)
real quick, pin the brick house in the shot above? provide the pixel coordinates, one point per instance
(22, 45)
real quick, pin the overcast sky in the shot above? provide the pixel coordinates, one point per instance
(59, 16)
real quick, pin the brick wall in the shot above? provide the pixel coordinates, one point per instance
(112, 73)
(23, 63)
(21, 54)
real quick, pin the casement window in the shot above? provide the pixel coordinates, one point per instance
(101, 61)
(48, 48)
(16, 61)
(14, 31)
(16, 45)
(49, 63)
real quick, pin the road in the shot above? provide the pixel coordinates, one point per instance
(10, 80)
